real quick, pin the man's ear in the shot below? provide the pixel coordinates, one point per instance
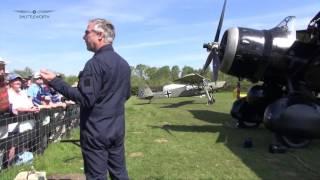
(100, 36)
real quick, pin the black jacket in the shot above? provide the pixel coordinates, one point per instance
(103, 88)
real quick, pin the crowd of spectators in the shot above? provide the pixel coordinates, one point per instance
(20, 95)
(26, 94)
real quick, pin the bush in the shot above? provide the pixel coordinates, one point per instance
(134, 90)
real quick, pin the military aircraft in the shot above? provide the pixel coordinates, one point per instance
(189, 85)
(286, 62)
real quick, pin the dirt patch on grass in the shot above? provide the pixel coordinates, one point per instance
(161, 140)
(136, 154)
(137, 132)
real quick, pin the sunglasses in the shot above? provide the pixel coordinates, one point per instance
(87, 32)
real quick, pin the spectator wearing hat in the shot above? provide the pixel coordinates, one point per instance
(35, 88)
(18, 99)
(48, 98)
(19, 103)
(43, 98)
(42, 95)
(26, 83)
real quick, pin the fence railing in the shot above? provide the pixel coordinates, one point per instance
(25, 135)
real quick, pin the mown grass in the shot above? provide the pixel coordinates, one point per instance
(184, 138)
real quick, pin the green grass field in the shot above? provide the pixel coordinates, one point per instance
(184, 138)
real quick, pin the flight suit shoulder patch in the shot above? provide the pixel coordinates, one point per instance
(87, 82)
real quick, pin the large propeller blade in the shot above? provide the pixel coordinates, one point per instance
(213, 48)
(216, 39)
(208, 61)
(215, 67)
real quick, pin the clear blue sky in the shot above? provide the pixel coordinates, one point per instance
(155, 33)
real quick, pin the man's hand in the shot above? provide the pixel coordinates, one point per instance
(47, 75)
(34, 109)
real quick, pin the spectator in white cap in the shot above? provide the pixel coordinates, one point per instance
(18, 99)
(19, 103)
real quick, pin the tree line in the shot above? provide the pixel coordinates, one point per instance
(27, 72)
(156, 77)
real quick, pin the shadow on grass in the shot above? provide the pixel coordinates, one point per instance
(68, 160)
(144, 103)
(170, 105)
(184, 128)
(257, 158)
(179, 104)
(210, 116)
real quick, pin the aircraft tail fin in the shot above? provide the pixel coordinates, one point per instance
(145, 92)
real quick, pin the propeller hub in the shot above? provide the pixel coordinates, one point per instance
(207, 46)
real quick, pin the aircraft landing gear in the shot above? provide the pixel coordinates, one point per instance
(210, 101)
(283, 142)
(246, 124)
(246, 115)
(277, 148)
(293, 142)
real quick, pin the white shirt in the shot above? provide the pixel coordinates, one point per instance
(19, 99)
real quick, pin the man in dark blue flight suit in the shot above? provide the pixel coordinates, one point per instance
(103, 88)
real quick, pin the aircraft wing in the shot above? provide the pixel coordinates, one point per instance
(190, 79)
(216, 85)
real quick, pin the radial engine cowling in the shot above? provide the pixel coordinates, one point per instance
(252, 54)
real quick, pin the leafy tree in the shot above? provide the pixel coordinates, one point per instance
(164, 73)
(151, 73)
(141, 70)
(187, 70)
(26, 72)
(161, 77)
(71, 80)
(175, 71)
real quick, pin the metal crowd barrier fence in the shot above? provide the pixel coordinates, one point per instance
(28, 134)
